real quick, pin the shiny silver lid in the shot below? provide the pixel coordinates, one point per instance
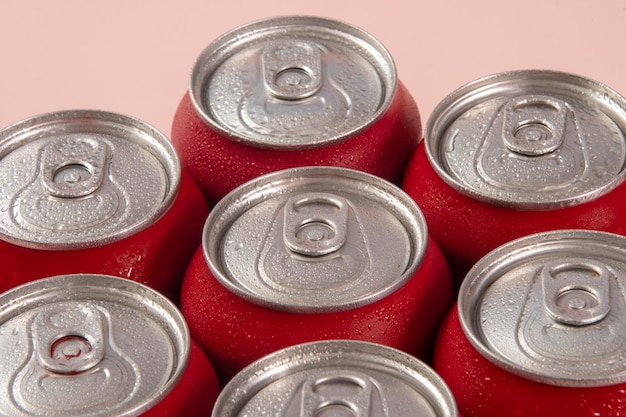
(530, 139)
(551, 307)
(336, 378)
(81, 178)
(293, 82)
(88, 345)
(315, 239)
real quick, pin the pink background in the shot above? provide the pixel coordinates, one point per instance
(135, 57)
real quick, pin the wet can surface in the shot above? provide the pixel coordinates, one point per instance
(336, 378)
(538, 329)
(293, 91)
(98, 345)
(314, 253)
(518, 153)
(91, 191)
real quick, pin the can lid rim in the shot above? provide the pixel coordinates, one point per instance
(150, 138)
(280, 183)
(83, 288)
(230, 42)
(479, 90)
(512, 257)
(351, 354)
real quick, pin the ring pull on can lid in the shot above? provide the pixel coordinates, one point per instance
(292, 70)
(534, 125)
(72, 353)
(74, 167)
(338, 393)
(315, 241)
(318, 231)
(577, 292)
(533, 145)
(69, 339)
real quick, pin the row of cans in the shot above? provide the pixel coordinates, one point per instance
(504, 156)
(296, 202)
(98, 345)
(537, 330)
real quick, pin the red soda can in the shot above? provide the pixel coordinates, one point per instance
(91, 191)
(314, 253)
(336, 378)
(539, 329)
(293, 91)
(519, 153)
(97, 345)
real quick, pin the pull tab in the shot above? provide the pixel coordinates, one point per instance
(74, 167)
(315, 224)
(576, 293)
(337, 395)
(72, 193)
(534, 124)
(533, 151)
(294, 101)
(315, 245)
(74, 366)
(292, 70)
(68, 340)
(571, 325)
(333, 393)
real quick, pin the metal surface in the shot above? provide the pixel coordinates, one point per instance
(551, 307)
(530, 139)
(78, 179)
(315, 239)
(293, 82)
(88, 345)
(336, 378)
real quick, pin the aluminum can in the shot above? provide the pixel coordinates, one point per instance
(336, 378)
(87, 191)
(293, 91)
(97, 345)
(539, 329)
(314, 253)
(518, 153)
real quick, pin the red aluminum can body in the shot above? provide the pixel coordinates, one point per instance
(235, 332)
(470, 212)
(154, 250)
(466, 229)
(220, 157)
(483, 389)
(235, 328)
(196, 392)
(156, 256)
(568, 380)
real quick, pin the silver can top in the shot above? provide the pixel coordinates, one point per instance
(81, 178)
(336, 378)
(293, 82)
(315, 239)
(551, 307)
(530, 139)
(88, 345)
